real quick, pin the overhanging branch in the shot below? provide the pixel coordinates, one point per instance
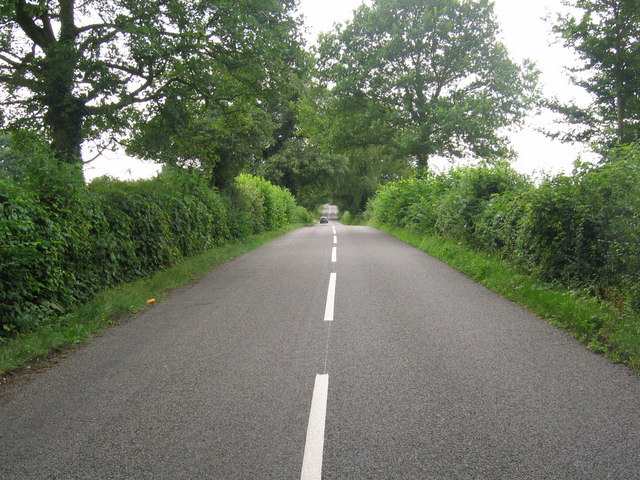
(40, 36)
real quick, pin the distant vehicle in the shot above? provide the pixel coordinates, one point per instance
(324, 220)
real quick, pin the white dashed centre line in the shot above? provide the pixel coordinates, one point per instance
(314, 446)
(331, 294)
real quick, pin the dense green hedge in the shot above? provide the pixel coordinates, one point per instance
(582, 231)
(59, 246)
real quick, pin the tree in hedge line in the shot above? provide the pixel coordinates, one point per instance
(83, 70)
(432, 78)
(606, 36)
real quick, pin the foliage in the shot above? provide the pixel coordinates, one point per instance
(447, 203)
(347, 218)
(606, 36)
(56, 254)
(353, 165)
(9, 161)
(32, 277)
(265, 206)
(304, 169)
(581, 231)
(89, 70)
(469, 191)
(431, 78)
(217, 140)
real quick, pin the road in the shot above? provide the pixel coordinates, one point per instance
(331, 212)
(404, 370)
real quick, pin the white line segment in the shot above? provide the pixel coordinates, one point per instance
(335, 239)
(333, 255)
(331, 295)
(334, 229)
(312, 461)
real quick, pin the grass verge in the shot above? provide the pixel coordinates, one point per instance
(597, 324)
(117, 304)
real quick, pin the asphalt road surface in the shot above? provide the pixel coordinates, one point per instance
(335, 356)
(331, 212)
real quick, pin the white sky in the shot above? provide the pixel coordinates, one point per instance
(525, 34)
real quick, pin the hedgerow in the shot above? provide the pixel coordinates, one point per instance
(58, 249)
(581, 231)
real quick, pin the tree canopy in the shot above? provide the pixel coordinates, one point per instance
(226, 86)
(429, 77)
(606, 36)
(83, 70)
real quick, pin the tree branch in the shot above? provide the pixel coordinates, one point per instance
(122, 29)
(39, 36)
(95, 26)
(10, 62)
(20, 81)
(126, 100)
(101, 150)
(48, 28)
(106, 38)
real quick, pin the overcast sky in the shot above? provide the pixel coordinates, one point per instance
(525, 34)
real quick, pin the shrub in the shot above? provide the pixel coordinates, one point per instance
(266, 205)
(461, 205)
(393, 202)
(581, 230)
(33, 281)
(57, 251)
(249, 197)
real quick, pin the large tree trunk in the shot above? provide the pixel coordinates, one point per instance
(64, 112)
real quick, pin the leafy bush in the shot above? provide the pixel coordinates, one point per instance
(266, 206)
(460, 206)
(58, 249)
(498, 227)
(347, 218)
(33, 280)
(397, 203)
(582, 231)
(299, 214)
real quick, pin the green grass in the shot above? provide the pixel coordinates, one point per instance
(601, 326)
(119, 303)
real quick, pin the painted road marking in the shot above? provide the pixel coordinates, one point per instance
(331, 295)
(335, 239)
(334, 229)
(334, 255)
(312, 460)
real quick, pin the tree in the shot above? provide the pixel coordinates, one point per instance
(244, 117)
(216, 139)
(82, 69)
(430, 77)
(305, 170)
(353, 141)
(606, 36)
